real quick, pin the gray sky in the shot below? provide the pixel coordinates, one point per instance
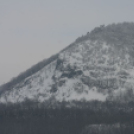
(31, 30)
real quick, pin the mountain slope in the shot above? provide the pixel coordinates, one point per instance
(97, 66)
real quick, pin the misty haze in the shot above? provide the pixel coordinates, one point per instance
(67, 67)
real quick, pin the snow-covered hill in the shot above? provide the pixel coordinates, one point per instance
(95, 67)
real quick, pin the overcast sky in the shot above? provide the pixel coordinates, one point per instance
(32, 30)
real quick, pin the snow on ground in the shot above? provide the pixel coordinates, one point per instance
(87, 57)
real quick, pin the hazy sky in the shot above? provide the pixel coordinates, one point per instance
(31, 30)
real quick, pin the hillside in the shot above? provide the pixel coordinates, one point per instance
(97, 66)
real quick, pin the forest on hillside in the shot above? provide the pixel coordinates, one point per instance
(37, 119)
(120, 34)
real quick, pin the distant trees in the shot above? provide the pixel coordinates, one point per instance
(9, 85)
(108, 129)
(121, 33)
(33, 117)
(117, 34)
(27, 73)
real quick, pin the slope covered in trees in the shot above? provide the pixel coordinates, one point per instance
(30, 118)
(120, 40)
(94, 65)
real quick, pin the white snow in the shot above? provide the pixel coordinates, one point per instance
(38, 86)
